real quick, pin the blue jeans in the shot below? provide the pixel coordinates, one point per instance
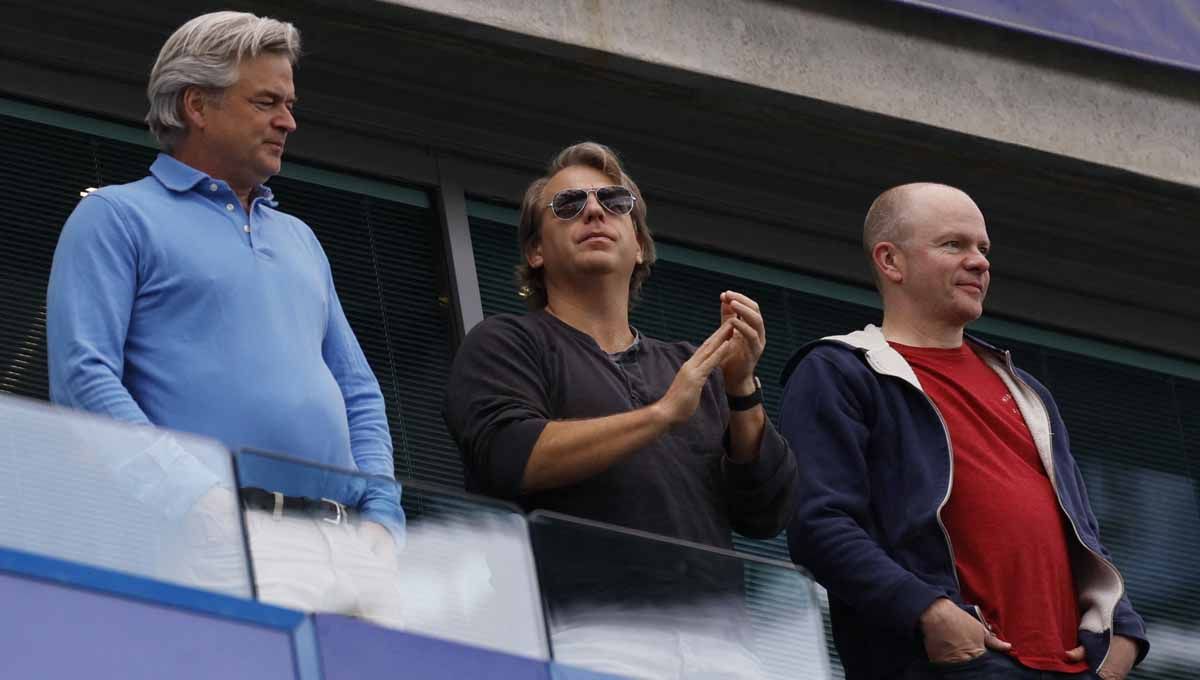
(989, 666)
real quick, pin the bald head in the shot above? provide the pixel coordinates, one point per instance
(928, 245)
(892, 215)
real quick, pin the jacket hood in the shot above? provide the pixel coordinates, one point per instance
(879, 355)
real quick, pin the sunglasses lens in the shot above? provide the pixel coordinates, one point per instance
(617, 200)
(568, 203)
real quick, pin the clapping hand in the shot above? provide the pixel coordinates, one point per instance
(747, 343)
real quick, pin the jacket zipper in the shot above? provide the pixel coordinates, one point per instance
(949, 488)
(1058, 496)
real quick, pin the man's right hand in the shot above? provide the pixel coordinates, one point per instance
(954, 636)
(683, 396)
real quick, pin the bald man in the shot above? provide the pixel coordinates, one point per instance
(941, 506)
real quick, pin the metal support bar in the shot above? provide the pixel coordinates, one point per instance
(460, 258)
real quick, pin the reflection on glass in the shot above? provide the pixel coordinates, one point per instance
(1156, 557)
(136, 499)
(634, 604)
(335, 541)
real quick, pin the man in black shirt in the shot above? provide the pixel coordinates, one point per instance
(568, 408)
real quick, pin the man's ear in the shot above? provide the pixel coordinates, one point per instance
(888, 260)
(195, 107)
(533, 255)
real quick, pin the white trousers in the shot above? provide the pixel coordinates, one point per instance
(299, 562)
(310, 564)
(654, 645)
(471, 582)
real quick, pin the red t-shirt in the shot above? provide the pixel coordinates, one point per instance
(1009, 535)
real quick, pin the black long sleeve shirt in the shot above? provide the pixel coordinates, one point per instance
(514, 374)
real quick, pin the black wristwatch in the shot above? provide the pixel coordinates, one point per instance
(747, 402)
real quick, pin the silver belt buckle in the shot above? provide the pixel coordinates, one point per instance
(339, 513)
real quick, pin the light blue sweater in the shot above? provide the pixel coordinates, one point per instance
(169, 305)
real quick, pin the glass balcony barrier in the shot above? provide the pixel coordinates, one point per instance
(638, 605)
(135, 499)
(410, 556)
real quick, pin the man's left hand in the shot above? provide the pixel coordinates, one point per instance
(1121, 655)
(378, 538)
(1122, 652)
(749, 340)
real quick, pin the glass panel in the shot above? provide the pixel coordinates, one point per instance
(634, 604)
(440, 563)
(1129, 433)
(136, 499)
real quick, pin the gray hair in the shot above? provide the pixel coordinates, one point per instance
(206, 53)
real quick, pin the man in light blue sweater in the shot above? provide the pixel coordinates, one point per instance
(187, 300)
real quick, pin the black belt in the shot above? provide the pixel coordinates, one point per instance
(278, 504)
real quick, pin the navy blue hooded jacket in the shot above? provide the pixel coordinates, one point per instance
(877, 469)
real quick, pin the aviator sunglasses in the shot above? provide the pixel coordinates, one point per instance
(568, 203)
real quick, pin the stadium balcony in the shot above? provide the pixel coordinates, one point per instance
(136, 552)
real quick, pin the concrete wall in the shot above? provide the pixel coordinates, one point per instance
(897, 61)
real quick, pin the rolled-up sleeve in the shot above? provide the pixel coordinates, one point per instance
(497, 404)
(762, 492)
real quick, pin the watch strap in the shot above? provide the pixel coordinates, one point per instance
(749, 401)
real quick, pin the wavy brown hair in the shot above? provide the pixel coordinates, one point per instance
(531, 282)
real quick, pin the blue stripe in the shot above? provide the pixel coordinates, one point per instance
(1162, 31)
(86, 577)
